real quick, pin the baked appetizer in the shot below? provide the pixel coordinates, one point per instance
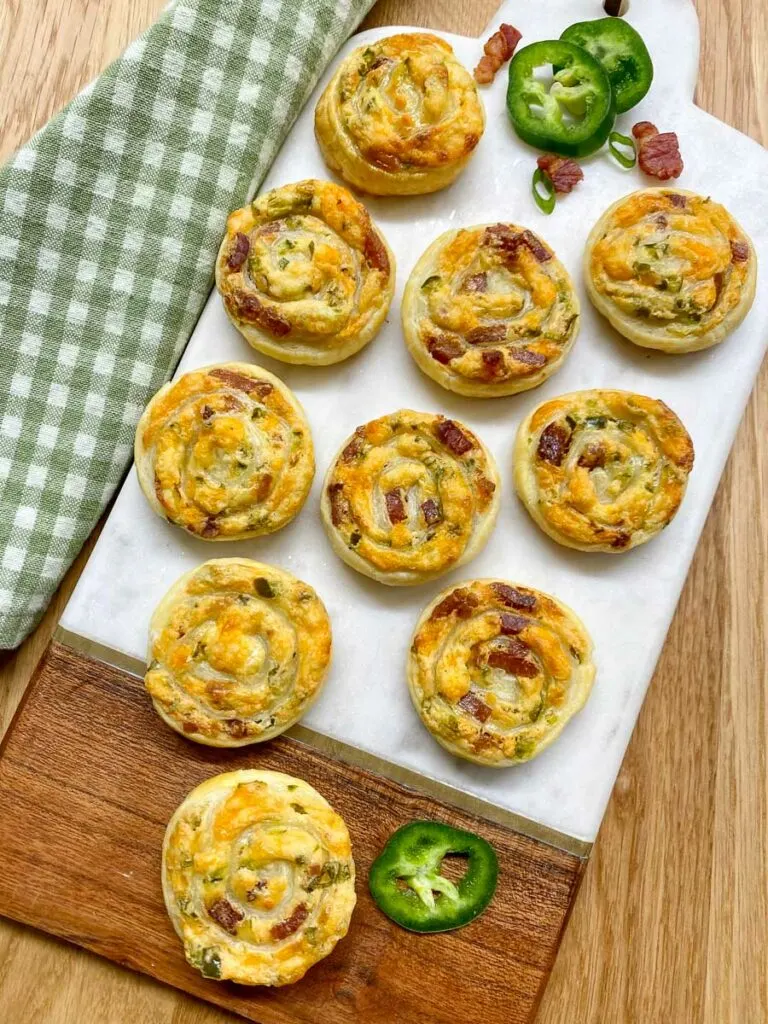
(489, 311)
(670, 270)
(409, 497)
(602, 470)
(496, 670)
(238, 651)
(401, 116)
(304, 274)
(225, 452)
(258, 877)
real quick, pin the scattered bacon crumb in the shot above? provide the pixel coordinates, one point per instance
(739, 252)
(561, 171)
(658, 153)
(497, 51)
(395, 508)
(475, 707)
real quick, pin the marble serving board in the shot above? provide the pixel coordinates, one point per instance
(626, 601)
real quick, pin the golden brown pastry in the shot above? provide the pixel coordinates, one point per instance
(258, 877)
(602, 470)
(489, 311)
(670, 269)
(401, 116)
(496, 670)
(409, 497)
(304, 274)
(225, 452)
(238, 651)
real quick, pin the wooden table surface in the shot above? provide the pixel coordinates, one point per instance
(671, 924)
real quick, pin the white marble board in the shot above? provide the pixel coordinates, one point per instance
(626, 601)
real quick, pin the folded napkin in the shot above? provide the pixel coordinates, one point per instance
(110, 219)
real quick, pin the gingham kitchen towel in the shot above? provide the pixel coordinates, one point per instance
(110, 219)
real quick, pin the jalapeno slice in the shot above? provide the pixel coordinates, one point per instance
(574, 113)
(406, 883)
(620, 50)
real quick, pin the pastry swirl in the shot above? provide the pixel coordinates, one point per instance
(602, 470)
(304, 274)
(489, 311)
(225, 452)
(409, 497)
(238, 651)
(496, 670)
(670, 269)
(401, 116)
(258, 877)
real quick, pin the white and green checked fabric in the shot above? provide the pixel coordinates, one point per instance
(110, 219)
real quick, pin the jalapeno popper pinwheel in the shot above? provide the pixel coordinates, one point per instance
(409, 497)
(489, 311)
(258, 877)
(401, 116)
(238, 651)
(670, 269)
(496, 670)
(408, 886)
(225, 452)
(602, 470)
(304, 274)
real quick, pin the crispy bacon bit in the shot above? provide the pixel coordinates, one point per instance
(189, 727)
(291, 924)
(480, 335)
(380, 60)
(563, 172)
(676, 199)
(239, 252)
(513, 656)
(236, 728)
(354, 447)
(386, 161)
(395, 507)
(264, 486)
(209, 528)
(224, 914)
(444, 348)
(493, 362)
(240, 382)
(497, 51)
(538, 250)
(472, 704)
(593, 457)
(512, 597)
(554, 443)
(509, 242)
(476, 283)
(450, 435)
(621, 539)
(485, 487)
(375, 252)
(658, 153)
(524, 355)
(431, 512)
(511, 625)
(206, 412)
(340, 507)
(248, 308)
(739, 252)
(661, 221)
(460, 603)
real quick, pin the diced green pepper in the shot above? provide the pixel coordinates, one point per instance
(622, 53)
(407, 885)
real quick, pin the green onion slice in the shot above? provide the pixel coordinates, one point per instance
(616, 139)
(545, 201)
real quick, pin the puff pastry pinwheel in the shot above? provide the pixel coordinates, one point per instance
(304, 274)
(238, 651)
(409, 497)
(496, 670)
(401, 116)
(602, 470)
(489, 311)
(225, 452)
(258, 877)
(670, 269)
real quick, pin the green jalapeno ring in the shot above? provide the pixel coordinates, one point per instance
(620, 50)
(571, 117)
(406, 883)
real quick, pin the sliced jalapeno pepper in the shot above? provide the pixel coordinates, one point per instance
(407, 885)
(622, 53)
(574, 114)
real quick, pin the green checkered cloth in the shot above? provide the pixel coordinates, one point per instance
(110, 219)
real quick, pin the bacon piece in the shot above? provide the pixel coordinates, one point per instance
(224, 914)
(460, 603)
(512, 656)
(513, 598)
(661, 221)
(450, 435)
(493, 362)
(354, 447)
(563, 172)
(554, 443)
(476, 283)
(524, 355)
(497, 51)
(236, 728)
(658, 153)
(375, 252)
(340, 507)
(593, 457)
(263, 488)
(206, 412)
(509, 242)
(291, 924)
(621, 539)
(395, 507)
(510, 625)
(240, 382)
(480, 335)
(485, 487)
(739, 252)
(472, 704)
(209, 528)
(248, 308)
(239, 251)
(444, 348)
(676, 199)
(431, 512)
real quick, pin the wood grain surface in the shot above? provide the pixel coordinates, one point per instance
(671, 923)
